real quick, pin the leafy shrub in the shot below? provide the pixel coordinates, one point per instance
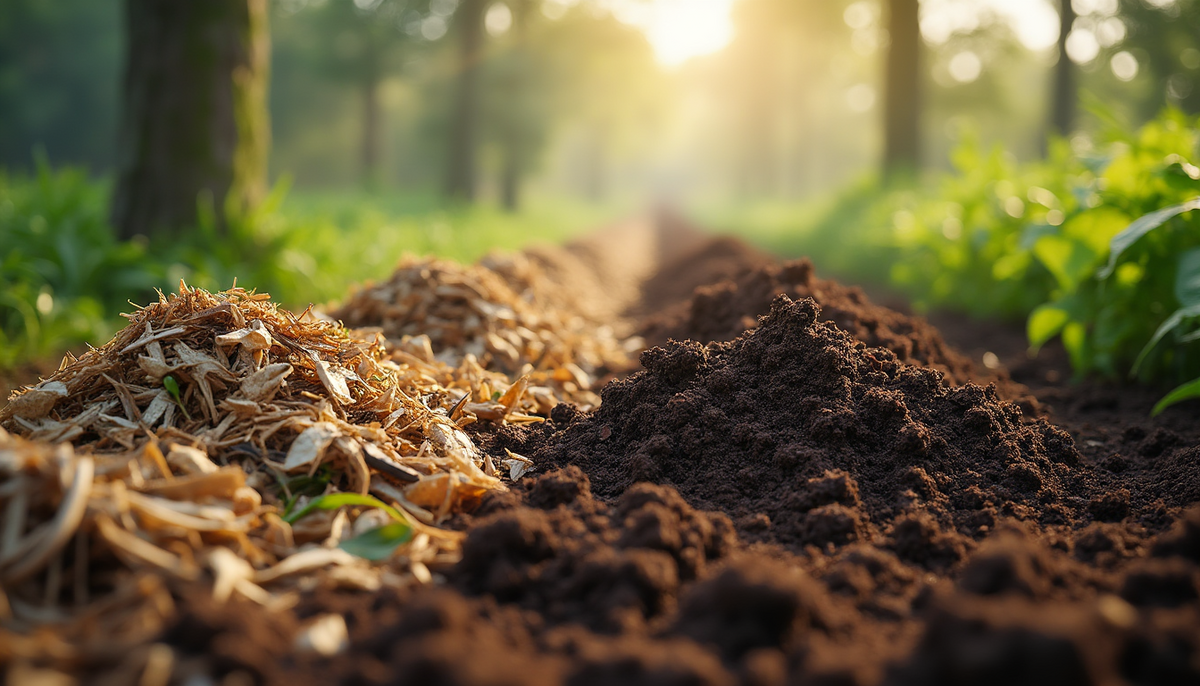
(1101, 249)
(1123, 262)
(62, 271)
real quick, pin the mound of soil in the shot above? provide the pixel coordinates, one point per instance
(806, 436)
(726, 307)
(715, 260)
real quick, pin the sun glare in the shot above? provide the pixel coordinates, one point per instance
(680, 29)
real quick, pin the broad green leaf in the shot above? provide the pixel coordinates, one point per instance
(1166, 327)
(378, 544)
(333, 501)
(1187, 391)
(1142, 226)
(1044, 323)
(1074, 338)
(1068, 260)
(1096, 227)
(1187, 278)
(172, 387)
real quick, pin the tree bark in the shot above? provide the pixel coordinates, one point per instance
(902, 105)
(514, 145)
(1062, 116)
(371, 142)
(194, 127)
(510, 182)
(464, 123)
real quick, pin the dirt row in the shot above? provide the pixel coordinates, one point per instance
(798, 486)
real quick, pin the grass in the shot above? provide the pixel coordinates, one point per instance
(65, 277)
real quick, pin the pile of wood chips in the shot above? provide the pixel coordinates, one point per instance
(220, 439)
(499, 313)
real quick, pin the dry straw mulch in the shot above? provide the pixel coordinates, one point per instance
(502, 312)
(218, 437)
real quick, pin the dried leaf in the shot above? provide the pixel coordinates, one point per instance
(310, 446)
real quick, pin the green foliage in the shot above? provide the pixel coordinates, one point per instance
(65, 277)
(1133, 298)
(1101, 250)
(63, 274)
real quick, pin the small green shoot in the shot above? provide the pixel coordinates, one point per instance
(1187, 391)
(334, 501)
(172, 387)
(379, 544)
(304, 485)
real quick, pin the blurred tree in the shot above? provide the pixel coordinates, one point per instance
(1064, 95)
(606, 87)
(517, 112)
(1164, 37)
(194, 127)
(464, 118)
(363, 42)
(902, 89)
(754, 68)
(59, 69)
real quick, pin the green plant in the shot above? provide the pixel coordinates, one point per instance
(1124, 262)
(1099, 247)
(63, 274)
(373, 544)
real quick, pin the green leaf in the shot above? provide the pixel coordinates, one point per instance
(1187, 391)
(1074, 339)
(1045, 323)
(1187, 278)
(333, 501)
(1068, 260)
(172, 387)
(1140, 227)
(379, 544)
(1166, 327)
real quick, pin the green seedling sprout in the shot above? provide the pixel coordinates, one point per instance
(375, 544)
(172, 387)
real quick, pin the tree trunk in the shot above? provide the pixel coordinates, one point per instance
(371, 142)
(194, 127)
(1062, 117)
(510, 182)
(464, 122)
(902, 106)
(595, 179)
(513, 144)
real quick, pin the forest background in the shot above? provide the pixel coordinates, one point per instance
(877, 136)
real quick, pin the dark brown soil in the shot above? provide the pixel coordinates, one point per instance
(825, 499)
(724, 309)
(805, 436)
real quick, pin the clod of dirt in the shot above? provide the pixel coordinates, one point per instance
(805, 436)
